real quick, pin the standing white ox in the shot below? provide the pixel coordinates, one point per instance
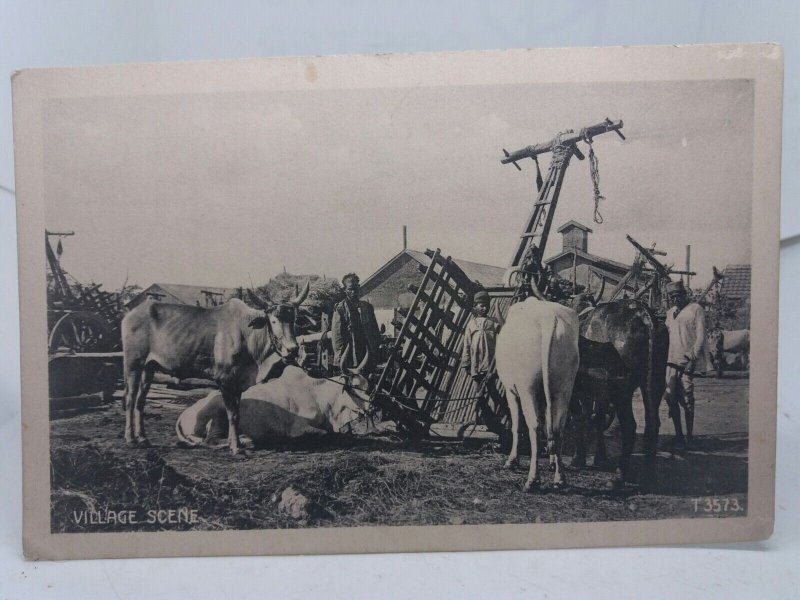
(233, 344)
(537, 361)
(291, 406)
(722, 342)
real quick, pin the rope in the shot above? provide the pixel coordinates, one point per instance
(539, 180)
(393, 398)
(594, 172)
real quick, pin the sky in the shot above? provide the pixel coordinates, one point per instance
(225, 189)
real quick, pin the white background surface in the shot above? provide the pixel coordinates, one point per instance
(61, 33)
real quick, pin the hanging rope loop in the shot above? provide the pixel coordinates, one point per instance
(594, 172)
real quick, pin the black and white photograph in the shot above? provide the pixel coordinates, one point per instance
(332, 294)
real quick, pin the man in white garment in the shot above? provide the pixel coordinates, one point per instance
(688, 350)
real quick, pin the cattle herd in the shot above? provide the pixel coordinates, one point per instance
(554, 365)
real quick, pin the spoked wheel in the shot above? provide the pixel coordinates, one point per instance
(78, 332)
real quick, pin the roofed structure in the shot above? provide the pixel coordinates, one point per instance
(193, 295)
(575, 263)
(388, 287)
(736, 282)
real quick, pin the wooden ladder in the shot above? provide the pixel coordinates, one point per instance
(533, 239)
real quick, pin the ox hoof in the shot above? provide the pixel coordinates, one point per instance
(532, 486)
(559, 485)
(511, 464)
(143, 443)
(238, 453)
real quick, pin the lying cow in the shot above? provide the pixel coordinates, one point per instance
(537, 360)
(233, 344)
(291, 406)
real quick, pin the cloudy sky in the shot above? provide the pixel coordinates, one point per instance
(221, 189)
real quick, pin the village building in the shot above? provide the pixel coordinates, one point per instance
(193, 295)
(736, 282)
(577, 265)
(387, 289)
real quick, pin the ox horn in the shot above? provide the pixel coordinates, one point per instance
(343, 358)
(262, 302)
(362, 364)
(298, 299)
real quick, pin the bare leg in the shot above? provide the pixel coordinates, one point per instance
(599, 422)
(581, 416)
(688, 395)
(560, 411)
(141, 398)
(628, 425)
(528, 407)
(132, 376)
(513, 409)
(231, 398)
(559, 479)
(672, 397)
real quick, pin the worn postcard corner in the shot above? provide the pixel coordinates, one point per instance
(397, 303)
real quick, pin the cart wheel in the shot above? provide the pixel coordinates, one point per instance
(80, 332)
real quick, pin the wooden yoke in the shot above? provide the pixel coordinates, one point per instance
(527, 258)
(659, 273)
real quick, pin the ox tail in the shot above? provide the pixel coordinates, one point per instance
(647, 319)
(547, 342)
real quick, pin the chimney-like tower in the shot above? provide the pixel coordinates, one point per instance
(405, 238)
(575, 235)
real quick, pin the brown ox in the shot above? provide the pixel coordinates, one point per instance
(233, 344)
(623, 347)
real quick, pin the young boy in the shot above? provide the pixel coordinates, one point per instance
(479, 338)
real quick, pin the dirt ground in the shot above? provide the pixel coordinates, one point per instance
(378, 479)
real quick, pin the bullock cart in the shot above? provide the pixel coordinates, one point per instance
(421, 386)
(84, 345)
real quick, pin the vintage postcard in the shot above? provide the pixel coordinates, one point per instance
(484, 300)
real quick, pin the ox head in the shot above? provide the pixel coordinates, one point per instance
(716, 340)
(352, 405)
(278, 320)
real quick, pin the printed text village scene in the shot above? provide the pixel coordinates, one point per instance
(561, 386)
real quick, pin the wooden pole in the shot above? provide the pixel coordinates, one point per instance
(405, 238)
(688, 265)
(574, 271)
(565, 139)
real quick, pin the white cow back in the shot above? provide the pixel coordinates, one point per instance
(737, 340)
(537, 361)
(519, 345)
